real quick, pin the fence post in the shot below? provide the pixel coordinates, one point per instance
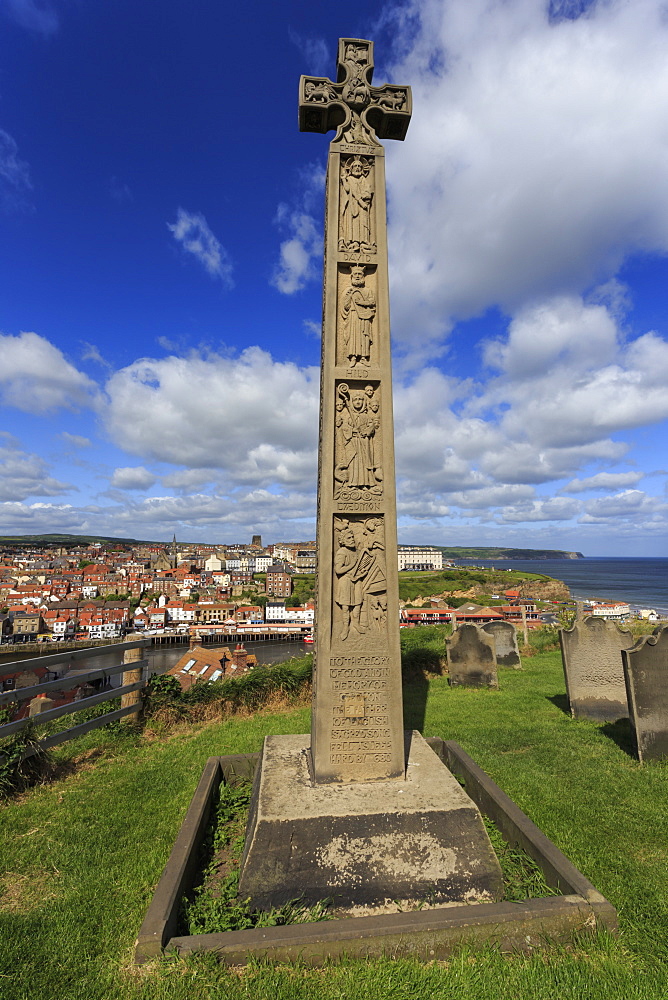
(131, 677)
(524, 625)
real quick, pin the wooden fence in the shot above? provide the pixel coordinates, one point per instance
(135, 677)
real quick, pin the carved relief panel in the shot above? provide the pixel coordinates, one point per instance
(360, 580)
(356, 334)
(358, 460)
(357, 222)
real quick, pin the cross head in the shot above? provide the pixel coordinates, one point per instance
(360, 112)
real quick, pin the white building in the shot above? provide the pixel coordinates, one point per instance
(275, 611)
(617, 612)
(419, 557)
(300, 616)
(177, 611)
(260, 564)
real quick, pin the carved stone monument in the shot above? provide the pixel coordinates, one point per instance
(472, 658)
(357, 728)
(591, 655)
(646, 676)
(505, 638)
(358, 812)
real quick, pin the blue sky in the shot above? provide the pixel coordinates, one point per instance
(160, 268)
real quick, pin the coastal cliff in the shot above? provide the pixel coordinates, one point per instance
(493, 552)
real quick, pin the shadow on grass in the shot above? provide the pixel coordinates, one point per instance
(416, 691)
(561, 701)
(620, 732)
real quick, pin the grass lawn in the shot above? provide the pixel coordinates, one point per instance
(82, 856)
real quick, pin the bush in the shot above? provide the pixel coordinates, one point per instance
(17, 773)
(250, 690)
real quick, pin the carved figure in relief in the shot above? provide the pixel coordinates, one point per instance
(357, 469)
(347, 583)
(360, 585)
(394, 100)
(356, 89)
(357, 131)
(374, 423)
(356, 206)
(358, 313)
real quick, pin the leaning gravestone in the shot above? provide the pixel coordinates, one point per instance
(355, 812)
(591, 655)
(646, 676)
(472, 658)
(505, 637)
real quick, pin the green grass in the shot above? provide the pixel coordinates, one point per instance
(83, 856)
(429, 582)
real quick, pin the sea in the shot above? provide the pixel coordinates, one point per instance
(642, 583)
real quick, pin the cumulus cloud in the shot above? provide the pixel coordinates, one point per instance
(36, 377)
(201, 516)
(24, 475)
(554, 509)
(603, 481)
(133, 478)
(189, 479)
(250, 416)
(192, 232)
(301, 253)
(569, 379)
(537, 153)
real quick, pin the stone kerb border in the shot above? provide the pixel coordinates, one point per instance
(426, 934)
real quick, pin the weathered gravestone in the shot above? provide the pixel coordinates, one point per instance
(472, 658)
(591, 656)
(355, 812)
(646, 676)
(505, 638)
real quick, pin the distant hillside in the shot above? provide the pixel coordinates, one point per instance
(483, 552)
(65, 541)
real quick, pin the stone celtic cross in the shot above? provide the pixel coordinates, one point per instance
(357, 724)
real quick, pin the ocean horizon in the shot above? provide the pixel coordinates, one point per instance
(643, 582)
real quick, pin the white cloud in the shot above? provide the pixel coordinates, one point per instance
(189, 479)
(76, 440)
(603, 481)
(133, 478)
(301, 253)
(36, 377)
(554, 509)
(252, 417)
(569, 379)
(536, 158)
(24, 475)
(192, 232)
(229, 518)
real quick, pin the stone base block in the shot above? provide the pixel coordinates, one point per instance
(418, 837)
